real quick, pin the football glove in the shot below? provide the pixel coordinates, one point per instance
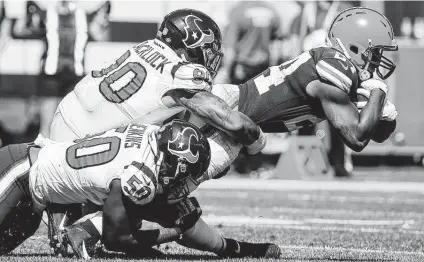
(373, 83)
(189, 212)
(258, 145)
(389, 112)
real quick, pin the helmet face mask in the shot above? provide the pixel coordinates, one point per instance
(378, 63)
(363, 35)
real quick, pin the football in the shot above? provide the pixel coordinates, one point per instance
(361, 98)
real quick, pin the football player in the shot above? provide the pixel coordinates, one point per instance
(323, 83)
(146, 84)
(146, 159)
(123, 218)
(320, 84)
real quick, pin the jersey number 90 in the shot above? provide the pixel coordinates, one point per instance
(128, 79)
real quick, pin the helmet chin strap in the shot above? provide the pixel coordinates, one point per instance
(364, 74)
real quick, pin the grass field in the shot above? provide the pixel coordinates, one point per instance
(311, 221)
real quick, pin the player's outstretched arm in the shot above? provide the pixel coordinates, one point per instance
(356, 129)
(216, 112)
(117, 231)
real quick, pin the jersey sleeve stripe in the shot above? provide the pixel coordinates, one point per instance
(332, 69)
(329, 72)
(143, 168)
(327, 76)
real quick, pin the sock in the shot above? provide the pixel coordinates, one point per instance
(93, 223)
(203, 237)
(98, 223)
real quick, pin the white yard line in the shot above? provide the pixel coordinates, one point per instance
(360, 250)
(290, 185)
(310, 211)
(246, 220)
(366, 226)
(357, 222)
(395, 199)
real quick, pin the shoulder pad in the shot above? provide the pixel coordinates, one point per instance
(191, 76)
(138, 183)
(332, 66)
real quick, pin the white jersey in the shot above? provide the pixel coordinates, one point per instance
(81, 171)
(131, 88)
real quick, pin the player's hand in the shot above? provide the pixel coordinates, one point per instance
(389, 112)
(189, 212)
(373, 83)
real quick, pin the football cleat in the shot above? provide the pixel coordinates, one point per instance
(238, 249)
(83, 244)
(59, 217)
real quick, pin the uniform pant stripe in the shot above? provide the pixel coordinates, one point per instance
(15, 171)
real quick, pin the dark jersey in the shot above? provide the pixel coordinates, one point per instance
(276, 99)
(253, 24)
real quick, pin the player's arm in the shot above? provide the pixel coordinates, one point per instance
(356, 129)
(117, 229)
(215, 111)
(136, 187)
(387, 124)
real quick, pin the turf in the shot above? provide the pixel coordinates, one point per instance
(309, 225)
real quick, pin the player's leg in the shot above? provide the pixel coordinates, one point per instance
(60, 216)
(60, 130)
(48, 91)
(18, 221)
(195, 233)
(203, 237)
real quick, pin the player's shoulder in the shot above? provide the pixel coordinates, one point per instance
(334, 67)
(138, 183)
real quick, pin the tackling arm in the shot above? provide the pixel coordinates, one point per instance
(215, 111)
(356, 129)
(117, 231)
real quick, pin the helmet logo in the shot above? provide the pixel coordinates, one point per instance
(195, 36)
(181, 145)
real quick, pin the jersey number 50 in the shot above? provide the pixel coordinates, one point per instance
(127, 80)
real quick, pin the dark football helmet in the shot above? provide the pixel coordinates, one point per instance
(186, 152)
(194, 35)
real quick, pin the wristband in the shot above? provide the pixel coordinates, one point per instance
(258, 145)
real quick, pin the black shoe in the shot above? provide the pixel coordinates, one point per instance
(144, 252)
(83, 243)
(237, 249)
(59, 217)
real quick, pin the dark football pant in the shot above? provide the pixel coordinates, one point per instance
(17, 219)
